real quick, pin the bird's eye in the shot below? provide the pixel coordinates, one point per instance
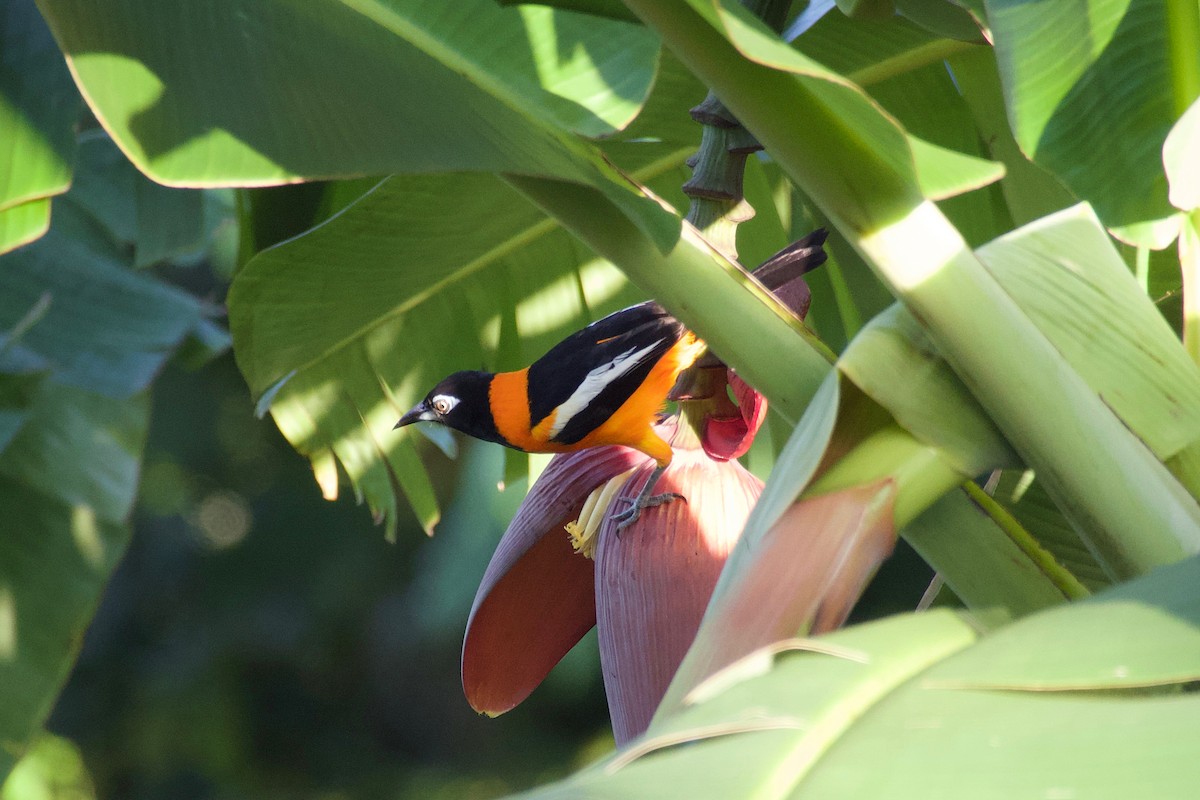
(443, 404)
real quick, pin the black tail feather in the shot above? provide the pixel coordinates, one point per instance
(798, 258)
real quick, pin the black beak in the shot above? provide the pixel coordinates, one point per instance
(416, 415)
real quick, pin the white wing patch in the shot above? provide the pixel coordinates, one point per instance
(594, 383)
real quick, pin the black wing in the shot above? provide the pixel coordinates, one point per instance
(556, 376)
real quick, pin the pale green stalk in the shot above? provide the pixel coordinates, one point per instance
(909, 60)
(921, 473)
(1122, 500)
(1061, 577)
(1183, 41)
(1189, 266)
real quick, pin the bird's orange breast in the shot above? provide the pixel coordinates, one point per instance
(630, 425)
(508, 397)
(509, 400)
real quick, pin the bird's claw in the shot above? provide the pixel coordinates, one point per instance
(636, 505)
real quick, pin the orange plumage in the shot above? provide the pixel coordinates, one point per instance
(603, 385)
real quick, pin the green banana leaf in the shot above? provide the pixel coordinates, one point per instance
(81, 337)
(247, 93)
(1093, 88)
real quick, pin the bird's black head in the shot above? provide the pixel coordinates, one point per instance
(461, 402)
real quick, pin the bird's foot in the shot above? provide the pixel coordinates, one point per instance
(644, 499)
(637, 504)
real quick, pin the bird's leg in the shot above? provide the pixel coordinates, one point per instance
(645, 499)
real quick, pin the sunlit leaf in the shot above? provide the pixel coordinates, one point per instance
(1181, 157)
(893, 361)
(415, 87)
(22, 223)
(388, 252)
(38, 109)
(1066, 275)
(51, 764)
(1091, 97)
(1158, 626)
(55, 558)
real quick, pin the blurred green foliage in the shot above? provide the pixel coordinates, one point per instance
(260, 641)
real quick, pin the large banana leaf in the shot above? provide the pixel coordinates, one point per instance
(251, 93)
(1093, 89)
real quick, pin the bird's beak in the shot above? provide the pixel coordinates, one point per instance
(418, 414)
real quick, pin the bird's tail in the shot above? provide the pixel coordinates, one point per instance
(799, 257)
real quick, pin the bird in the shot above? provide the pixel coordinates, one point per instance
(603, 385)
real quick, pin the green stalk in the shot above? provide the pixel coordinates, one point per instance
(1183, 42)
(1061, 577)
(1124, 503)
(1121, 499)
(920, 473)
(718, 204)
(1189, 265)
(909, 60)
(1142, 268)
